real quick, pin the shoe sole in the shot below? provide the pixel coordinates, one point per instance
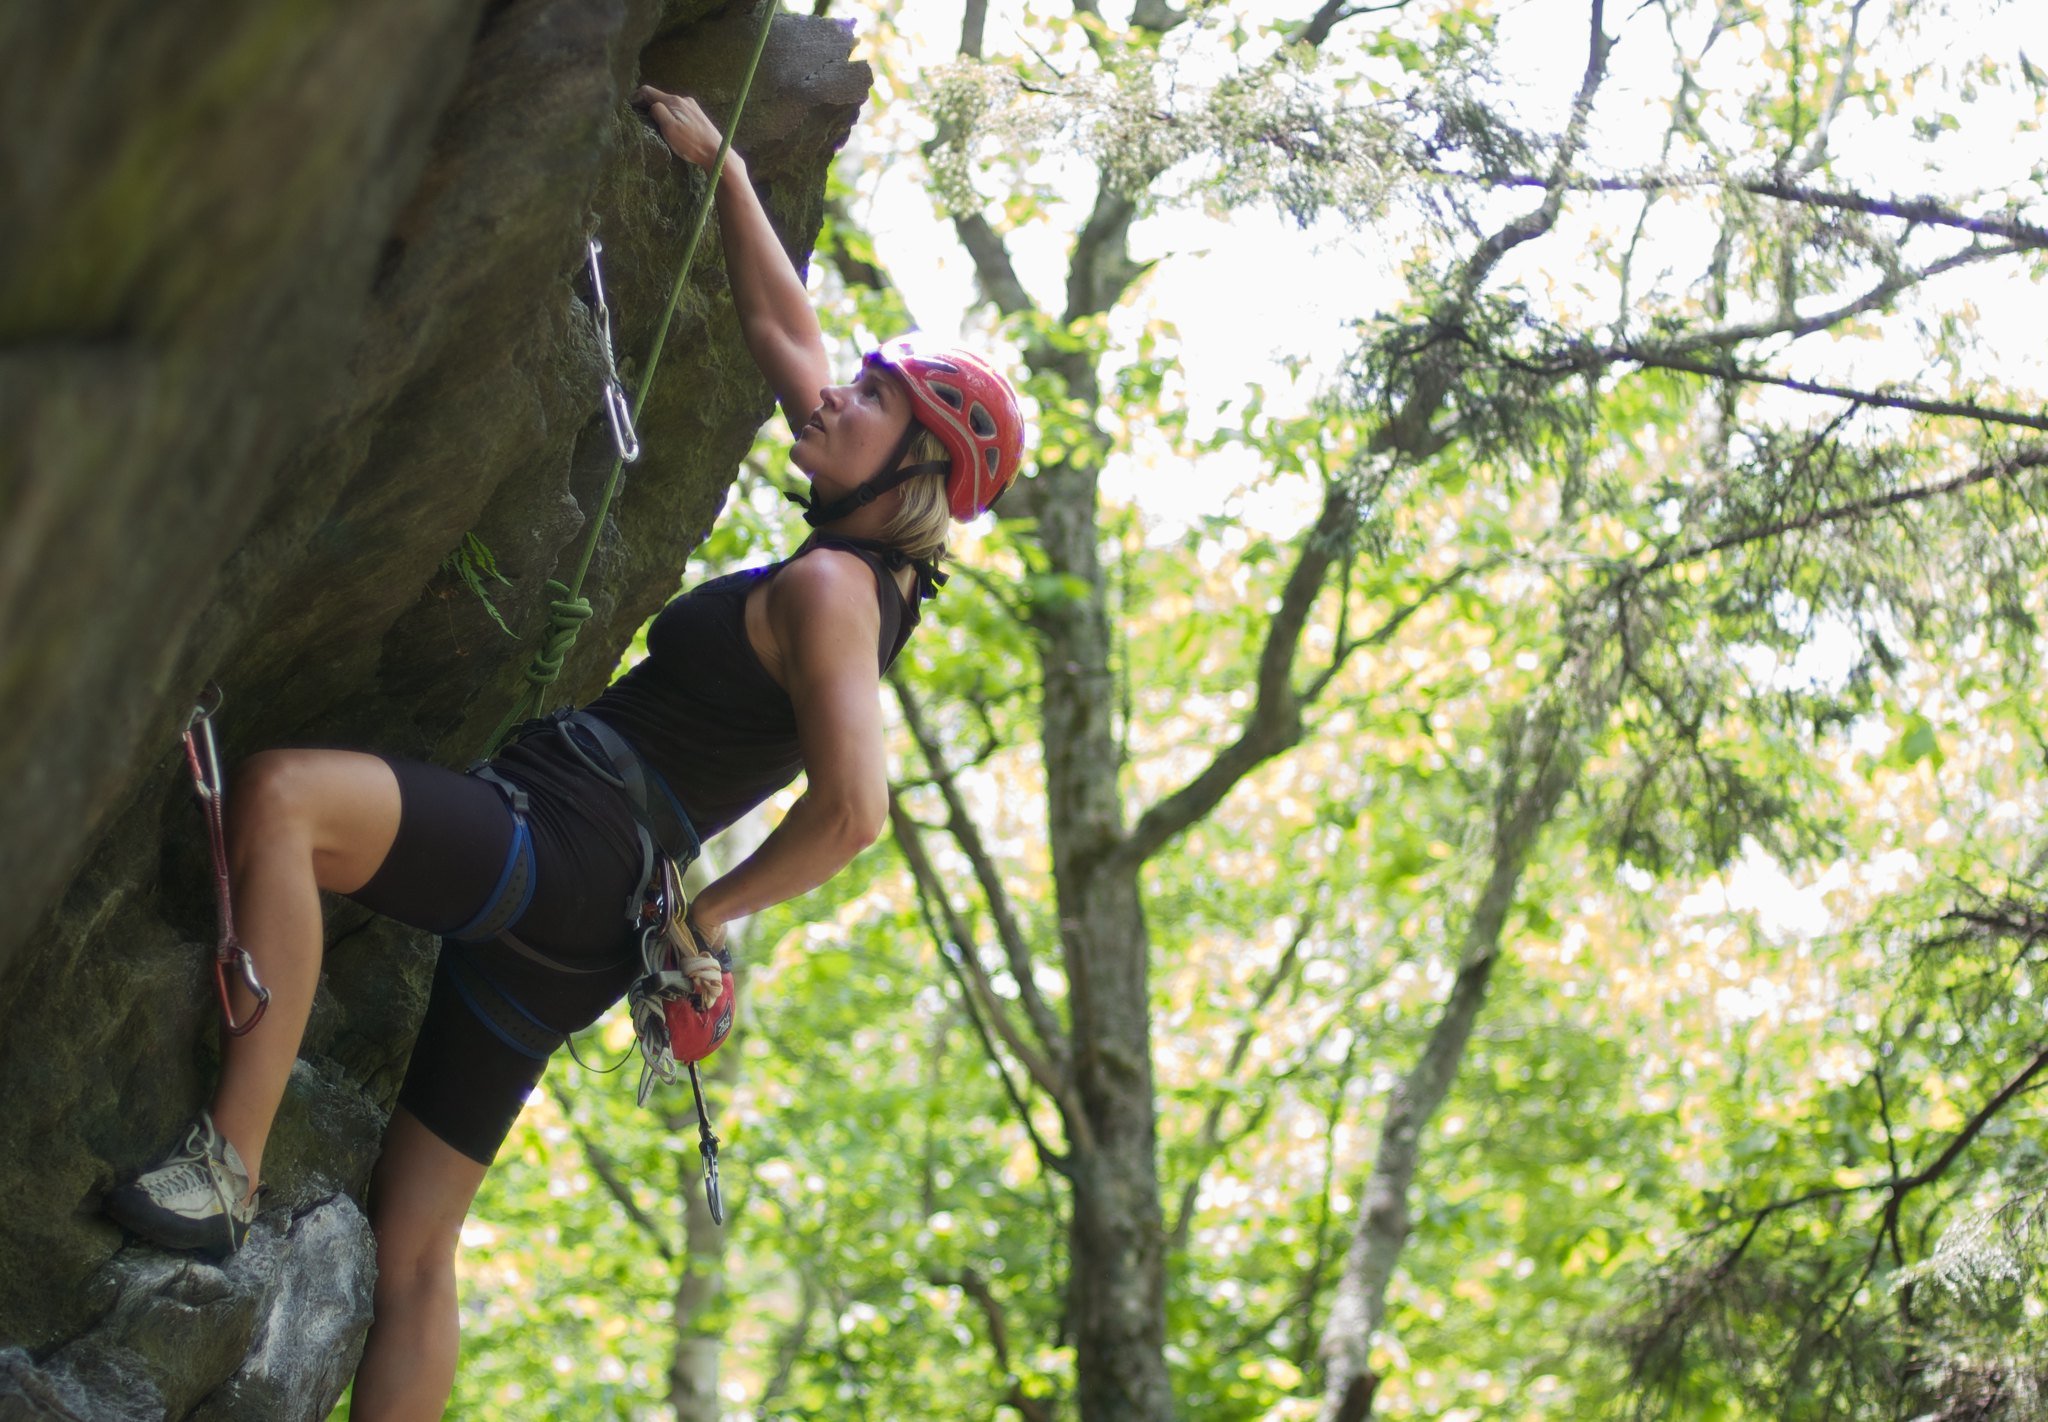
(150, 1222)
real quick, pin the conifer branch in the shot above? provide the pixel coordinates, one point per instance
(2030, 456)
(1919, 211)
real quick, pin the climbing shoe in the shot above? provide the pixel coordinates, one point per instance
(193, 1199)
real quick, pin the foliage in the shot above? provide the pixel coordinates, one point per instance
(476, 565)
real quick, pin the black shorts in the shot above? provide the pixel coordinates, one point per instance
(468, 1079)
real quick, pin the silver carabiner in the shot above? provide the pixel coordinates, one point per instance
(707, 1147)
(207, 781)
(625, 439)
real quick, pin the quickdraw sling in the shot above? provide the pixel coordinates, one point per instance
(202, 759)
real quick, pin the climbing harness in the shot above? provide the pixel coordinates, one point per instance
(681, 1006)
(202, 758)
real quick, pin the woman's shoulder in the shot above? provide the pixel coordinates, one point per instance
(823, 574)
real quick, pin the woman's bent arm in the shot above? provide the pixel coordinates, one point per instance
(781, 329)
(822, 612)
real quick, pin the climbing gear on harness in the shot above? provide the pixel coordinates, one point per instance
(625, 439)
(682, 1006)
(675, 1021)
(568, 610)
(969, 405)
(202, 758)
(191, 1200)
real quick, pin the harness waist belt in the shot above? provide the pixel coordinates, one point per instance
(654, 804)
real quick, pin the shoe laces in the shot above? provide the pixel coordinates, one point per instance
(208, 1159)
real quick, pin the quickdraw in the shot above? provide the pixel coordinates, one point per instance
(625, 439)
(202, 758)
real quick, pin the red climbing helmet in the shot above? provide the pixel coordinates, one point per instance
(972, 408)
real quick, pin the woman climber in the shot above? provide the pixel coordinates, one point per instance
(524, 868)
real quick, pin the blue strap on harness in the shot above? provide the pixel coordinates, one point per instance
(514, 891)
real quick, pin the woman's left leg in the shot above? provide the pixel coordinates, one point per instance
(419, 1196)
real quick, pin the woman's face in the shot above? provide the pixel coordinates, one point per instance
(853, 431)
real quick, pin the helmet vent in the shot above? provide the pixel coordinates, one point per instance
(983, 422)
(947, 393)
(990, 457)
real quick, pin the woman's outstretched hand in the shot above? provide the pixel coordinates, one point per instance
(682, 124)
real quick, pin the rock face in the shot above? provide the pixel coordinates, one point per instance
(290, 302)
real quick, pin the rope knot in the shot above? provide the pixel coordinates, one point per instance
(567, 612)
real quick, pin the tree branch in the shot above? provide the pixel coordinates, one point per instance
(1924, 211)
(1212, 1122)
(2031, 456)
(970, 1283)
(1538, 764)
(1877, 400)
(1895, 1187)
(953, 929)
(1411, 430)
(973, 21)
(607, 1172)
(955, 959)
(1274, 723)
(1534, 224)
(1334, 13)
(960, 823)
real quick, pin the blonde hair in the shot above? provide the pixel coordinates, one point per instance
(924, 515)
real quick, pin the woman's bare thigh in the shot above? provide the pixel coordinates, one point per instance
(343, 805)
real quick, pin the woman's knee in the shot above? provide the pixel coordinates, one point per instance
(413, 1269)
(341, 807)
(269, 795)
(420, 1194)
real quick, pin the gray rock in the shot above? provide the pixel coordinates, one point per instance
(273, 1335)
(290, 302)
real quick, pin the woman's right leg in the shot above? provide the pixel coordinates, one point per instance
(419, 1196)
(298, 821)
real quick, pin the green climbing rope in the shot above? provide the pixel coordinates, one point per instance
(568, 609)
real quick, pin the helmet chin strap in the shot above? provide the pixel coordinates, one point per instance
(894, 472)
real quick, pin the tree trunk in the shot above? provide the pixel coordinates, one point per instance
(700, 1321)
(1117, 1279)
(1117, 1284)
(1537, 768)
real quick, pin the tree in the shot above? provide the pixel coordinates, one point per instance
(1474, 376)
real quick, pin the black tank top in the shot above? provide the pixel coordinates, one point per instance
(702, 710)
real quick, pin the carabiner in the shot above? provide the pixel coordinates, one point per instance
(201, 711)
(625, 439)
(707, 1146)
(202, 759)
(245, 968)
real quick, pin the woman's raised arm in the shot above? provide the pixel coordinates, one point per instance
(775, 312)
